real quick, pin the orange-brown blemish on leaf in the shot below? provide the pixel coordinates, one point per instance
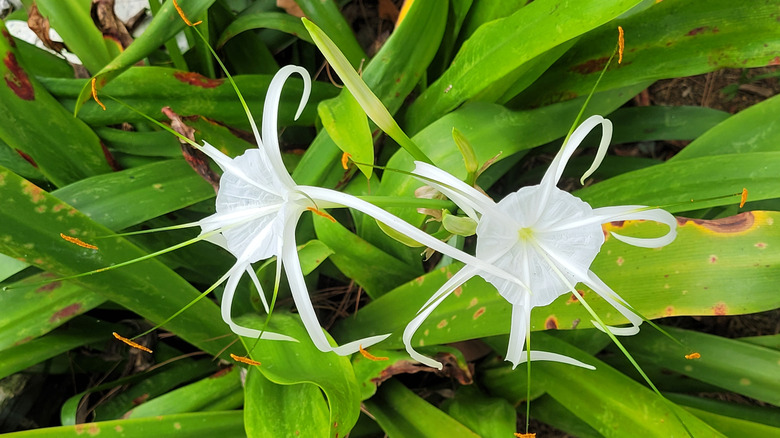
(551, 323)
(590, 66)
(17, 79)
(760, 245)
(34, 192)
(720, 309)
(472, 303)
(620, 261)
(479, 312)
(699, 30)
(78, 241)
(442, 324)
(740, 223)
(669, 311)
(245, 360)
(774, 61)
(140, 399)
(57, 208)
(713, 259)
(197, 79)
(109, 158)
(370, 356)
(135, 345)
(49, 287)
(27, 158)
(575, 298)
(458, 291)
(66, 312)
(93, 430)
(693, 356)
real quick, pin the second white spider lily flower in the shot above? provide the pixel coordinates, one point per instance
(547, 236)
(257, 209)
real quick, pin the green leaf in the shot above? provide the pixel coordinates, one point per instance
(165, 25)
(32, 224)
(674, 183)
(681, 278)
(72, 21)
(609, 401)
(755, 129)
(226, 424)
(290, 363)
(298, 409)
(646, 123)
(671, 39)
(487, 416)
(746, 369)
(63, 148)
(264, 20)
(401, 413)
(326, 14)
(347, 125)
(191, 398)
(501, 46)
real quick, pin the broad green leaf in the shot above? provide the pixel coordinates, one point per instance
(63, 148)
(347, 125)
(548, 410)
(33, 311)
(755, 414)
(499, 47)
(609, 401)
(674, 38)
(264, 20)
(290, 363)
(644, 123)
(401, 413)
(487, 416)
(72, 21)
(31, 231)
(755, 129)
(701, 273)
(191, 398)
(745, 369)
(165, 25)
(149, 89)
(144, 143)
(225, 424)
(284, 410)
(79, 332)
(674, 184)
(734, 426)
(391, 74)
(350, 253)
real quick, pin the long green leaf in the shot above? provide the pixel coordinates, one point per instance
(501, 46)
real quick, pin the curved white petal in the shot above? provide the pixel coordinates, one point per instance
(260, 292)
(231, 166)
(519, 330)
(410, 231)
(271, 115)
(554, 357)
(554, 172)
(300, 293)
(444, 291)
(235, 274)
(470, 200)
(610, 296)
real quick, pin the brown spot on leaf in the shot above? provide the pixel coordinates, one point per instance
(697, 30)
(9, 38)
(727, 225)
(590, 66)
(442, 324)
(109, 158)
(49, 287)
(620, 261)
(197, 79)
(221, 372)
(669, 311)
(551, 323)
(458, 291)
(775, 61)
(575, 298)
(760, 245)
(24, 340)
(27, 158)
(34, 192)
(17, 79)
(140, 399)
(479, 312)
(618, 224)
(720, 309)
(67, 312)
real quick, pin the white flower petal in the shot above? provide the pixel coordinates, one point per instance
(404, 227)
(235, 274)
(271, 113)
(625, 213)
(519, 330)
(300, 293)
(555, 357)
(446, 289)
(469, 199)
(259, 288)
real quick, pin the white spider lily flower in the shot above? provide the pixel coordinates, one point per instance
(257, 209)
(547, 236)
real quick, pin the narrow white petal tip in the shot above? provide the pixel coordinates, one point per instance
(255, 334)
(618, 331)
(551, 357)
(354, 346)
